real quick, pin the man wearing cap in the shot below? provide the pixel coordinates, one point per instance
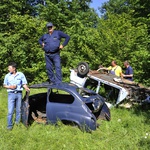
(50, 43)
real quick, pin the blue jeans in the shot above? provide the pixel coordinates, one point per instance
(14, 101)
(53, 64)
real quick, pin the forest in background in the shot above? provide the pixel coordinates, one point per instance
(122, 32)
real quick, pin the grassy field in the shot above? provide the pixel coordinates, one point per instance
(129, 129)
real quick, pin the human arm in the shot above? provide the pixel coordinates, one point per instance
(128, 73)
(24, 82)
(41, 41)
(104, 68)
(26, 87)
(67, 38)
(118, 71)
(10, 86)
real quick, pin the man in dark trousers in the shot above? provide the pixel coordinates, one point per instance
(50, 43)
(128, 72)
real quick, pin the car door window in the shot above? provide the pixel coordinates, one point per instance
(60, 96)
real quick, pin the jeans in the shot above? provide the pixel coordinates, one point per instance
(53, 63)
(14, 101)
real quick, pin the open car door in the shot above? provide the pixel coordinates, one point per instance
(25, 109)
(26, 104)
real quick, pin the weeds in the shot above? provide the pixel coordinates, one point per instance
(128, 129)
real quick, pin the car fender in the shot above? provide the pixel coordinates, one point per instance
(79, 119)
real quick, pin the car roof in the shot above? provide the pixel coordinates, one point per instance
(63, 85)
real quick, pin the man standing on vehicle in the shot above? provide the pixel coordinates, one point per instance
(14, 82)
(128, 72)
(50, 42)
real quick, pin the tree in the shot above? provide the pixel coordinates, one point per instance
(21, 45)
(9, 8)
(137, 47)
(117, 35)
(20, 42)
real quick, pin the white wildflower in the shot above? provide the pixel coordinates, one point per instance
(119, 120)
(147, 134)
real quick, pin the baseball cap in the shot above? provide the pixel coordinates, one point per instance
(50, 24)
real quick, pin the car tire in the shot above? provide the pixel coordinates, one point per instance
(82, 69)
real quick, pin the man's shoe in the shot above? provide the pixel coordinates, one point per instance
(17, 123)
(9, 128)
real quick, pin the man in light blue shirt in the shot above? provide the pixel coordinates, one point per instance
(14, 82)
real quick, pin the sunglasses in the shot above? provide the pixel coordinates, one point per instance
(50, 27)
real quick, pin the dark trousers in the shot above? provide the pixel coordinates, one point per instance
(53, 67)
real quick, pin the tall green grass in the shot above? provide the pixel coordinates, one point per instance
(129, 129)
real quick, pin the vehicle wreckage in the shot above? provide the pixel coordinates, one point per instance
(67, 103)
(115, 90)
(83, 101)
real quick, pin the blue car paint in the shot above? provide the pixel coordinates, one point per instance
(77, 111)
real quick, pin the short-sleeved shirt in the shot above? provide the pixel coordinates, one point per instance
(129, 71)
(18, 79)
(115, 70)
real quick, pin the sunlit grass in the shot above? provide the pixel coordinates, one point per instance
(129, 129)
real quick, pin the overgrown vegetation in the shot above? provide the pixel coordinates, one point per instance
(128, 129)
(122, 32)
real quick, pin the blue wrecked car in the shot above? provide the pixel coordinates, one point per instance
(67, 103)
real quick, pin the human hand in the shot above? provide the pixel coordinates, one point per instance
(26, 87)
(13, 86)
(122, 75)
(43, 45)
(100, 66)
(61, 47)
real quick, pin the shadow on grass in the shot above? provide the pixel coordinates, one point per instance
(140, 109)
(144, 143)
(143, 110)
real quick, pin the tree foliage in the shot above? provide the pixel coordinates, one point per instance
(122, 33)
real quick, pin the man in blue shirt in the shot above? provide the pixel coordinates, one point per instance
(50, 43)
(128, 72)
(14, 82)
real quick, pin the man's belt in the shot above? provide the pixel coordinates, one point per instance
(15, 92)
(52, 52)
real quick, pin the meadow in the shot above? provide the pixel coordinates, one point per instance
(129, 129)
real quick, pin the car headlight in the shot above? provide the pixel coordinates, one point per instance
(97, 105)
